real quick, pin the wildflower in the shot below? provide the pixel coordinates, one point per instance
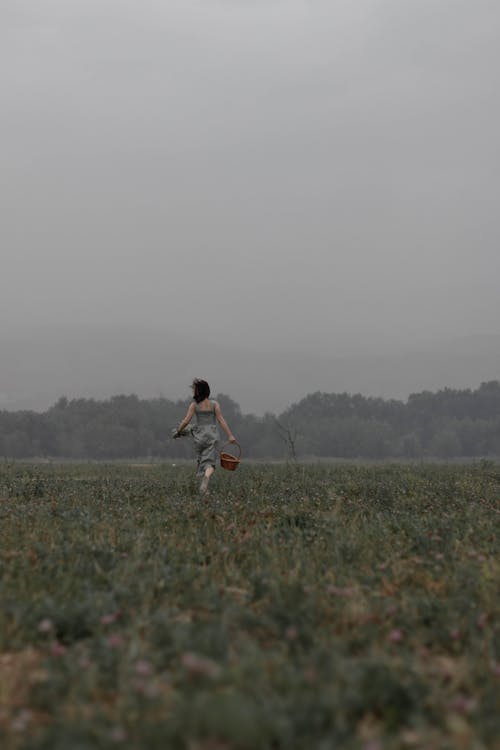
(22, 720)
(396, 636)
(118, 734)
(310, 675)
(291, 633)
(57, 649)
(338, 591)
(45, 626)
(143, 668)
(482, 620)
(115, 640)
(463, 704)
(109, 619)
(199, 665)
(148, 689)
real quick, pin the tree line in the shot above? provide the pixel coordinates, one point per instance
(446, 424)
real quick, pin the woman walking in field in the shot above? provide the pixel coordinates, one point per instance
(205, 433)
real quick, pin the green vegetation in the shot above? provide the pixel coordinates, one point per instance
(298, 607)
(445, 424)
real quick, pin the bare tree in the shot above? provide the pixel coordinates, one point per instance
(289, 436)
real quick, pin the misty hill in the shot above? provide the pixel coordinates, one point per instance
(38, 368)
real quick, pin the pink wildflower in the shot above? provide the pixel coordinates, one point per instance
(115, 640)
(143, 668)
(463, 705)
(396, 636)
(118, 734)
(109, 619)
(57, 649)
(148, 689)
(291, 633)
(482, 620)
(199, 665)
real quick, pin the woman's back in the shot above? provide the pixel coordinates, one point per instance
(205, 412)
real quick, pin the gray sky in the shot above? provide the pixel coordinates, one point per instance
(293, 175)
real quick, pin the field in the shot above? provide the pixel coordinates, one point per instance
(312, 607)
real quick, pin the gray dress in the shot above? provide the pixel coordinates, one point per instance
(206, 437)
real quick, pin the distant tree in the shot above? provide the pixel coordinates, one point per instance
(446, 444)
(409, 446)
(447, 423)
(16, 444)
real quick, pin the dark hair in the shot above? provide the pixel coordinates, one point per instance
(201, 390)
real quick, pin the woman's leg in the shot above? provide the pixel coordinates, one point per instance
(206, 479)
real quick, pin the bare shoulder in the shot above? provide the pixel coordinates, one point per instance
(216, 406)
(192, 407)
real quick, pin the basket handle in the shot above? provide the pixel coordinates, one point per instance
(229, 443)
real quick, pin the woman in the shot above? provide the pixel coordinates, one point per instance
(205, 433)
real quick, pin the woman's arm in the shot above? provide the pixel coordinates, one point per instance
(223, 423)
(187, 418)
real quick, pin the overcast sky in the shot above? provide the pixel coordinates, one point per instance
(286, 174)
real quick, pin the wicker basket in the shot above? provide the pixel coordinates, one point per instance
(227, 460)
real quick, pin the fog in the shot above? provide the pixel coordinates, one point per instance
(278, 196)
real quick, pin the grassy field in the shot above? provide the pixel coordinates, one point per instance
(313, 607)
